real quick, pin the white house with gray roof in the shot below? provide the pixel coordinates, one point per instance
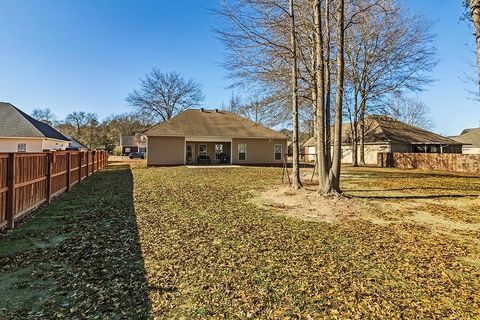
(19, 132)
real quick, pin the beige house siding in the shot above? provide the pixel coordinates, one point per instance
(470, 150)
(11, 144)
(259, 151)
(165, 150)
(371, 152)
(49, 144)
(33, 144)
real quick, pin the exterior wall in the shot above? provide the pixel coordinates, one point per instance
(371, 152)
(310, 153)
(11, 144)
(259, 151)
(470, 150)
(48, 144)
(166, 151)
(210, 150)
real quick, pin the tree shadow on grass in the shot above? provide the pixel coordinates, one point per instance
(79, 257)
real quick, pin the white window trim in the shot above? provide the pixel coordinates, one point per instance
(206, 148)
(281, 152)
(238, 151)
(23, 144)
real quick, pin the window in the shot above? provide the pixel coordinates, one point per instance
(127, 150)
(277, 149)
(242, 152)
(22, 147)
(218, 151)
(202, 149)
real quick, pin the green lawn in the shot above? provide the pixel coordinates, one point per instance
(198, 243)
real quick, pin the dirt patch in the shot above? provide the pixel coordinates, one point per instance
(306, 204)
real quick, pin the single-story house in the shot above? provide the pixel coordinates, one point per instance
(471, 140)
(385, 134)
(19, 132)
(133, 143)
(214, 136)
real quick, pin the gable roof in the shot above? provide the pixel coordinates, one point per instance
(74, 143)
(201, 122)
(383, 129)
(469, 136)
(129, 141)
(16, 123)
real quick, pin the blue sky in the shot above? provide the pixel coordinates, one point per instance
(88, 55)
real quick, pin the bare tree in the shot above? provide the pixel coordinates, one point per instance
(84, 127)
(44, 115)
(473, 7)
(262, 110)
(333, 184)
(296, 183)
(163, 95)
(409, 110)
(390, 51)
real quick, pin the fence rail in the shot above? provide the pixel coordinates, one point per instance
(28, 180)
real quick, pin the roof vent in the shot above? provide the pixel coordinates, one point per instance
(202, 109)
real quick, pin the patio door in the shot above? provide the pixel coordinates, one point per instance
(190, 153)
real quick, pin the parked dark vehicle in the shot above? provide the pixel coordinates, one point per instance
(136, 155)
(203, 159)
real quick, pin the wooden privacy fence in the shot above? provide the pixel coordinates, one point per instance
(453, 162)
(28, 180)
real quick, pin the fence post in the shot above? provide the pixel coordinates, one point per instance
(87, 161)
(69, 167)
(11, 191)
(49, 175)
(95, 167)
(80, 156)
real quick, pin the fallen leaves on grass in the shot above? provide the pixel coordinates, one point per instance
(228, 258)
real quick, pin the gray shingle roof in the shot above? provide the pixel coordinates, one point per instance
(128, 141)
(469, 136)
(16, 123)
(74, 143)
(383, 129)
(194, 122)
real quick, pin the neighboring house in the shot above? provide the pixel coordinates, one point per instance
(19, 132)
(384, 134)
(471, 140)
(74, 144)
(136, 143)
(217, 135)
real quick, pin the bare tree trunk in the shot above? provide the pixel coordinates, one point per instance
(333, 186)
(362, 129)
(354, 129)
(296, 183)
(475, 13)
(328, 86)
(320, 103)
